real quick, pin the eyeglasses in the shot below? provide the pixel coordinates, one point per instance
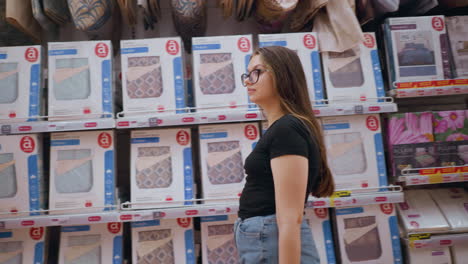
(252, 76)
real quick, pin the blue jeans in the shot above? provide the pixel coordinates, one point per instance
(257, 241)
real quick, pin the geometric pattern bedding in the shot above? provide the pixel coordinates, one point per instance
(226, 251)
(74, 171)
(154, 167)
(155, 246)
(362, 241)
(8, 186)
(8, 82)
(83, 249)
(11, 252)
(144, 77)
(72, 79)
(216, 73)
(224, 162)
(347, 155)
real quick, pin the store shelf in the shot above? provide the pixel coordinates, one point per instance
(430, 88)
(224, 115)
(436, 241)
(434, 175)
(56, 126)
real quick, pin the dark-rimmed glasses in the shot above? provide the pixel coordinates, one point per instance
(252, 76)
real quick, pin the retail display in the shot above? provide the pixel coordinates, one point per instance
(80, 79)
(319, 222)
(453, 204)
(223, 149)
(434, 256)
(457, 28)
(22, 180)
(153, 78)
(306, 47)
(20, 82)
(81, 172)
(355, 151)
(368, 234)
(450, 125)
(23, 246)
(217, 236)
(161, 162)
(97, 243)
(417, 48)
(218, 63)
(163, 241)
(354, 74)
(459, 253)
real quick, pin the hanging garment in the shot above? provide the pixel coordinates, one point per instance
(128, 10)
(345, 68)
(19, 15)
(189, 19)
(221, 245)
(244, 9)
(72, 79)
(144, 77)
(155, 247)
(217, 73)
(154, 167)
(361, 237)
(57, 11)
(8, 82)
(227, 6)
(90, 15)
(45, 22)
(224, 162)
(11, 252)
(271, 14)
(346, 153)
(337, 27)
(383, 7)
(9, 35)
(365, 11)
(83, 249)
(9, 185)
(304, 13)
(74, 171)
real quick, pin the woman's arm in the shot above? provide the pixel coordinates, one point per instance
(290, 173)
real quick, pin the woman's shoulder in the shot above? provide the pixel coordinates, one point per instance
(288, 123)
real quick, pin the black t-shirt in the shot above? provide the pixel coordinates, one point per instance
(286, 136)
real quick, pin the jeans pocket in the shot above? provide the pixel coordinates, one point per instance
(251, 227)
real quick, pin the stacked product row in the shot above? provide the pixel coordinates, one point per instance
(82, 168)
(428, 139)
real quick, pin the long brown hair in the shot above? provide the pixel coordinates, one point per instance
(291, 85)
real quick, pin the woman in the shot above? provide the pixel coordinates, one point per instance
(287, 164)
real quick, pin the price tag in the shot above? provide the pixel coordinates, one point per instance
(358, 109)
(338, 194)
(2, 225)
(153, 121)
(158, 215)
(422, 236)
(6, 129)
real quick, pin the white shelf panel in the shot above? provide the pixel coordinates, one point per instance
(435, 175)
(430, 88)
(437, 241)
(56, 126)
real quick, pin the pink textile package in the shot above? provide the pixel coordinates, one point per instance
(410, 128)
(451, 125)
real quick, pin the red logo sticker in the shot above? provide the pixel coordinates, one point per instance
(184, 222)
(243, 44)
(372, 123)
(321, 212)
(172, 47)
(31, 54)
(105, 140)
(309, 41)
(27, 144)
(386, 208)
(251, 132)
(36, 233)
(438, 23)
(101, 50)
(369, 40)
(114, 228)
(183, 137)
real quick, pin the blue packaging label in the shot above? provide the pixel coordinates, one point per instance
(213, 135)
(336, 126)
(106, 86)
(145, 140)
(64, 142)
(347, 211)
(3, 56)
(189, 247)
(34, 188)
(317, 76)
(109, 184)
(282, 43)
(134, 50)
(39, 253)
(81, 228)
(179, 84)
(380, 156)
(63, 52)
(329, 247)
(117, 252)
(379, 85)
(214, 218)
(206, 47)
(146, 223)
(6, 234)
(188, 175)
(394, 235)
(34, 95)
